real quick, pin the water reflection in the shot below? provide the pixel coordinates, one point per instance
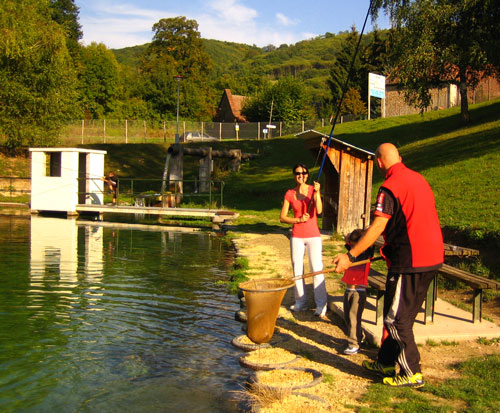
(109, 318)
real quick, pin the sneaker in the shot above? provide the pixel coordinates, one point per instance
(295, 308)
(417, 380)
(351, 350)
(376, 367)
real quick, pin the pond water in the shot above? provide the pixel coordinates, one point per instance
(103, 318)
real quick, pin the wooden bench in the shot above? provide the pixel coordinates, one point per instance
(479, 283)
(376, 280)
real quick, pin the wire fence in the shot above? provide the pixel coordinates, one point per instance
(150, 131)
(135, 191)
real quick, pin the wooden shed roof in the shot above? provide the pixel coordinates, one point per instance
(313, 140)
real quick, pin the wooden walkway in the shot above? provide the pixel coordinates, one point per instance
(219, 217)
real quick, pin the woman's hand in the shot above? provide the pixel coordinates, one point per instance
(304, 217)
(317, 186)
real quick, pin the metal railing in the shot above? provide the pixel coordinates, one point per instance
(14, 187)
(208, 194)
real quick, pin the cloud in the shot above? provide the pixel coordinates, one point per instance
(285, 21)
(231, 11)
(229, 20)
(120, 25)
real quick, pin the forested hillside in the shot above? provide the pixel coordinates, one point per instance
(241, 67)
(49, 77)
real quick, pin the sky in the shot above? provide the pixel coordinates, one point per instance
(123, 23)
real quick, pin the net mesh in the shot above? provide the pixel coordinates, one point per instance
(263, 299)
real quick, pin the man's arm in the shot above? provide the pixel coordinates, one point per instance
(374, 231)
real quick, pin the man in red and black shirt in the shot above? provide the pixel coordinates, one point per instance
(406, 216)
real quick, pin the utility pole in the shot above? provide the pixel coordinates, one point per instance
(178, 78)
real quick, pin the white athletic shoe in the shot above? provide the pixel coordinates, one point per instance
(351, 350)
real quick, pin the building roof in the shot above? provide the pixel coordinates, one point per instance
(80, 150)
(236, 104)
(313, 137)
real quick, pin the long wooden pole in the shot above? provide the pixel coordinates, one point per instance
(354, 264)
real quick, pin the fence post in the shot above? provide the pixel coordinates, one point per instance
(126, 130)
(201, 128)
(258, 130)
(220, 131)
(104, 130)
(184, 127)
(164, 132)
(302, 126)
(83, 127)
(145, 133)
(281, 128)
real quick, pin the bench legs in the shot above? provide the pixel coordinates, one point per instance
(477, 305)
(430, 300)
(379, 307)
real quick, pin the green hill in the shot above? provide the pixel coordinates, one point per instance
(309, 60)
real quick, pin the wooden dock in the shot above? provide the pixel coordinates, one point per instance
(219, 217)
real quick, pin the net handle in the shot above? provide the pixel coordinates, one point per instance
(354, 264)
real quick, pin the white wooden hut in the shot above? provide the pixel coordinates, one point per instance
(62, 178)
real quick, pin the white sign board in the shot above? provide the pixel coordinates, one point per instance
(376, 85)
(271, 126)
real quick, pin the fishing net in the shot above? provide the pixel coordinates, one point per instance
(263, 300)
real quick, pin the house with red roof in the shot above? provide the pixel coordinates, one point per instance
(229, 109)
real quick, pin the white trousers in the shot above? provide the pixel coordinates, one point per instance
(298, 247)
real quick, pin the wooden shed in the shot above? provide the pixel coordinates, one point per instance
(347, 184)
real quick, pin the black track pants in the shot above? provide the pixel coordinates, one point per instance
(404, 295)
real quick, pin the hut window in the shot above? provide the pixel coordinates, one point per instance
(53, 164)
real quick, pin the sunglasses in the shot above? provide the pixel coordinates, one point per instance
(301, 173)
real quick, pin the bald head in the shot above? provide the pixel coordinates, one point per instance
(387, 155)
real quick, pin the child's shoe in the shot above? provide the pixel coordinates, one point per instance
(351, 350)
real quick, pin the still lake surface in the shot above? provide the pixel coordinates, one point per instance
(103, 318)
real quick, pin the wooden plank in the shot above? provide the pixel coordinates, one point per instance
(450, 249)
(473, 280)
(368, 192)
(343, 193)
(376, 279)
(147, 210)
(358, 199)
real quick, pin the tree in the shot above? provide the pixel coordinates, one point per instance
(443, 41)
(352, 104)
(99, 79)
(65, 13)
(339, 71)
(287, 97)
(177, 50)
(37, 80)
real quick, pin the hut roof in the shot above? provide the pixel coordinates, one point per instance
(313, 139)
